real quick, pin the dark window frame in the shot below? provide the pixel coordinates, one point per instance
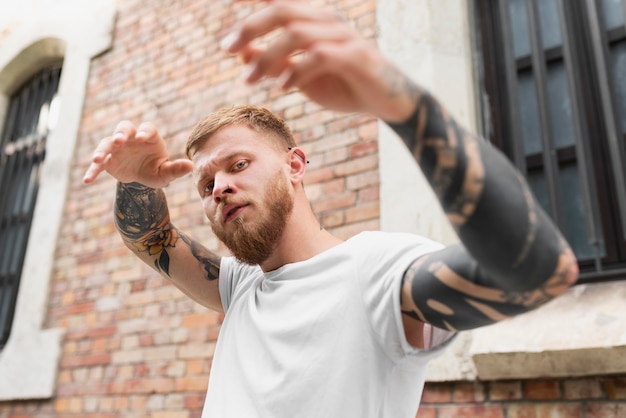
(585, 54)
(22, 152)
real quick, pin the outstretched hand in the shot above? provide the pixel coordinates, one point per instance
(321, 55)
(136, 155)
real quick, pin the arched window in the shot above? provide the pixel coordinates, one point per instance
(32, 114)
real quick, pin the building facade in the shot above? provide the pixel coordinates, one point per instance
(89, 331)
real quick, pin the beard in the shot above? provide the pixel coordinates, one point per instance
(252, 242)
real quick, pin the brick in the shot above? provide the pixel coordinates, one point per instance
(192, 384)
(366, 179)
(369, 194)
(196, 320)
(544, 410)
(105, 331)
(362, 212)
(436, 394)
(542, 390)
(194, 401)
(505, 391)
(582, 389)
(469, 392)
(85, 360)
(426, 412)
(615, 388)
(336, 202)
(363, 148)
(357, 165)
(196, 351)
(334, 186)
(482, 411)
(171, 414)
(196, 367)
(605, 410)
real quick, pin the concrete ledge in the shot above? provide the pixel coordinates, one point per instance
(581, 333)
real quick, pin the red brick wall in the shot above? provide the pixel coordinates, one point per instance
(601, 397)
(137, 347)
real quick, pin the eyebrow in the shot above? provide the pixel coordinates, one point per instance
(203, 174)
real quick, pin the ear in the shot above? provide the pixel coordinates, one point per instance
(297, 164)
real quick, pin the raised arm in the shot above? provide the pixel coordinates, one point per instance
(139, 160)
(512, 258)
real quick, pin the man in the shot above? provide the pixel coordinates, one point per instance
(314, 326)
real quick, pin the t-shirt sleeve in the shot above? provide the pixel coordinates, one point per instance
(233, 274)
(385, 258)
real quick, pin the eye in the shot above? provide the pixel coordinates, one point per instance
(240, 165)
(208, 188)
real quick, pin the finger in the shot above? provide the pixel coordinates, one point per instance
(124, 131)
(147, 132)
(92, 173)
(296, 38)
(277, 14)
(316, 63)
(103, 149)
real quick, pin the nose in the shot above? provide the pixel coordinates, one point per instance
(221, 188)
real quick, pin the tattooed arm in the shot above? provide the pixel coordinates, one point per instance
(142, 218)
(138, 159)
(512, 258)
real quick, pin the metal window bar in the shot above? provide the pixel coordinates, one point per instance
(550, 162)
(616, 146)
(583, 148)
(22, 150)
(511, 79)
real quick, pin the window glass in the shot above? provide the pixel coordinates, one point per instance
(612, 13)
(560, 106)
(519, 27)
(549, 22)
(528, 108)
(618, 55)
(573, 213)
(537, 182)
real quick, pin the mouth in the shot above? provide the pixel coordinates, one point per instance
(232, 211)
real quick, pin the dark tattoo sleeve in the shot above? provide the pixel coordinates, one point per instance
(512, 256)
(143, 220)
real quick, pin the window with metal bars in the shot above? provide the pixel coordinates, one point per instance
(31, 115)
(553, 74)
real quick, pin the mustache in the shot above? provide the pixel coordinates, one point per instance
(227, 200)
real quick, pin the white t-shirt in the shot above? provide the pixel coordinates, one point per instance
(319, 338)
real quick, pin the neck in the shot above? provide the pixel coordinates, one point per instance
(302, 239)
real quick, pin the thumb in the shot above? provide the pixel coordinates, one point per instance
(171, 170)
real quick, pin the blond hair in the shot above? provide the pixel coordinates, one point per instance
(257, 118)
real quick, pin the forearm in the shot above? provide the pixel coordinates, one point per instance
(515, 244)
(142, 218)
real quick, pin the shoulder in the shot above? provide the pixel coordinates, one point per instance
(394, 242)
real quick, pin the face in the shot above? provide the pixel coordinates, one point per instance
(245, 191)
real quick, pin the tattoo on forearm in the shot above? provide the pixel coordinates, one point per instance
(209, 260)
(457, 295)
(399, 84)
(142, 217)
(515, 258)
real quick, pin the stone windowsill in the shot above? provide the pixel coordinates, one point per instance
(582, 333)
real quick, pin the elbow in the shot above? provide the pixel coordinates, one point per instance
(565, 275)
